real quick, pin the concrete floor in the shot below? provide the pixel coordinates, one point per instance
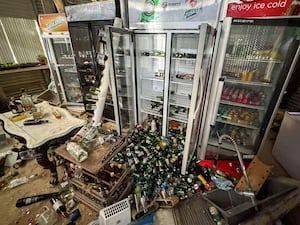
(161, 217)
(166, 217)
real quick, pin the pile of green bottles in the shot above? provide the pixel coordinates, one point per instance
(156, 164)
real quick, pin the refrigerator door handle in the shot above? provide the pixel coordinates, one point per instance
(217, 100)
(201, 94)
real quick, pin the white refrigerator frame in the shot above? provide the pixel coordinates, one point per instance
(54, 68)
(198, 79)
(218, 82)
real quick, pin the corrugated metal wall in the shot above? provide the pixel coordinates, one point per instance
(23, 38)
(34, 82)
(17, 8)
(44, 6)
(5, 53)
(18, 20)
(27, 9)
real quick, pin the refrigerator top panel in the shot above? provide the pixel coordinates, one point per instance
(173, 15)
(104, 10)
(269, 21)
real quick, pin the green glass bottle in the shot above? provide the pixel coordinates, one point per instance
(214, 214)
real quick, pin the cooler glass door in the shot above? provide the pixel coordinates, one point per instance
(86, 65)
(150, 74)
(66, 63)
(258, 56)
(71, 83)
(191, 54)
(99, 38)
(63, 62)
(182, 73)
(123, 82)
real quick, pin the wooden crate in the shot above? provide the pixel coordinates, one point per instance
(95, 187)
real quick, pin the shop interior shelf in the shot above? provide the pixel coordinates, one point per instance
(182, 82)
(250, 83)
(184, 59)
(179, 100)
(178, 118)
(237, 124)
(151, 112)
(229, 146)
(242, 105)
(253, 60)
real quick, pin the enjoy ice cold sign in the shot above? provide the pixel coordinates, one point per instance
(262, 8)
(260, 5)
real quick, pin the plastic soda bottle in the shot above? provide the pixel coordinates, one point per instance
(26, 100)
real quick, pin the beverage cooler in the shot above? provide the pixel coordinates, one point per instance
(63, 69)
(161, 77)
(255, 60)
(89, 40)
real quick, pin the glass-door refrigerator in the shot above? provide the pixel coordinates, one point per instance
(88, 40)
(63, 69)
(255, 60)
(171, 71)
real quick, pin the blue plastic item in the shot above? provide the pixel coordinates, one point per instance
(74, 215)
(147, 220)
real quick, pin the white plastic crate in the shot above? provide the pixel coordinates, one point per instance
(118, 213)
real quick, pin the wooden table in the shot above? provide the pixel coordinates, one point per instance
(37, 135)
(44, 136)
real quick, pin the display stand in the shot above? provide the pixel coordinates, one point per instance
(90, 187)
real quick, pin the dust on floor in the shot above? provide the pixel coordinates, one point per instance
(37, 184)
